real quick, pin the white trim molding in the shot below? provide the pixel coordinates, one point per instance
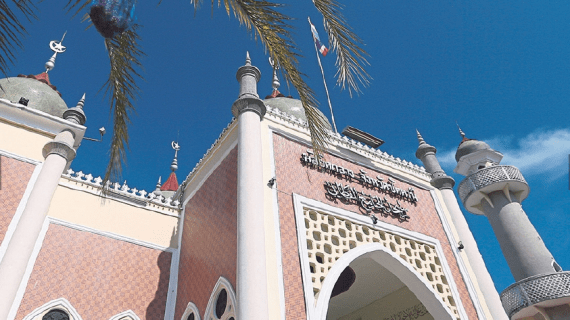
(231, 304)
(126, 315)
(60, 303)
(191, 308)
(18, 214)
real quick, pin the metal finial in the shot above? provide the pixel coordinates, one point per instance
(159, 183)
(275, 84)
(56, 47)
(176, 147)
(247, 59)
(460, 131)
(420, 138)
(81, 102)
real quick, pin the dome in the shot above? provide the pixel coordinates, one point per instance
(41, 96)
(468, 146)
(292, 107)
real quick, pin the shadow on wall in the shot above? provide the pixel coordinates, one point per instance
(157, 307)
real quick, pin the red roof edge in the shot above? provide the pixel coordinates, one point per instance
(171, 184)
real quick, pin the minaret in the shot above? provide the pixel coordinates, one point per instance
(252, 302)
(58, 154)
(443, 182)
(497, 191)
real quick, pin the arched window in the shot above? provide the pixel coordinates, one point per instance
(56, 314)
(222, 304)
(58, 309)
(191, 312)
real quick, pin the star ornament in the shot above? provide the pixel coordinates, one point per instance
(56, 46)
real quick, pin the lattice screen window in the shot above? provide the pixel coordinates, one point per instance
(329, 237)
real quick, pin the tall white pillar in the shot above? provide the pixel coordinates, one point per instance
(57, 153)
(13, 266)
(252, 302)
(443, 182)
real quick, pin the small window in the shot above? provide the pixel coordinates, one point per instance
(191, 316)
(56, 314)
(221, 303)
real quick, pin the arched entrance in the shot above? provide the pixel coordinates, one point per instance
(385, 285)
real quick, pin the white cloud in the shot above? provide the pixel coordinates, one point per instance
(541, 152)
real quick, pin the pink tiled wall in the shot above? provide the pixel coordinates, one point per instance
(14, 179)
(209, 248)
(99, 276)
(293, 177)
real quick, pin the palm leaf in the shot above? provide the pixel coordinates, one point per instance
(12, 30)
(124, 53)
(78, 5)
(263, 20)
(347, 45)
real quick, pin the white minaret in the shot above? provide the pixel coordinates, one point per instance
(443, 182)
(252, 302)
(497, 191)
(58, 153)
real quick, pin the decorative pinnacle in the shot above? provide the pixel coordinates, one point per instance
(460, 131)
(420, 138)
(275, 83)
(81, 102)
(174, 165)
(247, 59)
(159, 183)
(56, 47)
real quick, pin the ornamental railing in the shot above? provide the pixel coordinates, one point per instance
(486, 177)
(535, 289)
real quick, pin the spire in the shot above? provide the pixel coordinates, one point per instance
(171, 183)
(461, 133)
(247, 59)
(248, 100)
(76, 113)
(157, 190)
(174, 165)
(420, 138)
(56, 47)
(275, 84)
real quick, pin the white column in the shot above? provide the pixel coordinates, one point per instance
(252, 302)
(13, 266)
(475, 259)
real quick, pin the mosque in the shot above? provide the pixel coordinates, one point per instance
(261, 228)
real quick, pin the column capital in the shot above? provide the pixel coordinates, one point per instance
(59, 148)
(440, 180)
(248, 104)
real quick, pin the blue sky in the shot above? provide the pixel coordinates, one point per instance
(500, 69)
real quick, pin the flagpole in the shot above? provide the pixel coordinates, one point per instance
(324, 81)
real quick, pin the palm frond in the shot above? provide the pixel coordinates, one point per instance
(122, 90)
(272, 27)
(78, 5)
(350, 59)
(12, 30)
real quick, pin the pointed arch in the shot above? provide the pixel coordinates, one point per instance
(60, 303)
(191, 308)
(126, 315)
(396, 265)
(221, 311)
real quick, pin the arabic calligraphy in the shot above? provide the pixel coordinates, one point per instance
(377, 183)
(367, 202)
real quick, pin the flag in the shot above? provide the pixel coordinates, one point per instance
(322, 49)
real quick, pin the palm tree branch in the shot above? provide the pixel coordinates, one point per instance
(351, 57)
(11, 29)
(122, 90)
(264, 21)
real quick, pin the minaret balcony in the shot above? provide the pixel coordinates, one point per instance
(475, 187)
(545, 290)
